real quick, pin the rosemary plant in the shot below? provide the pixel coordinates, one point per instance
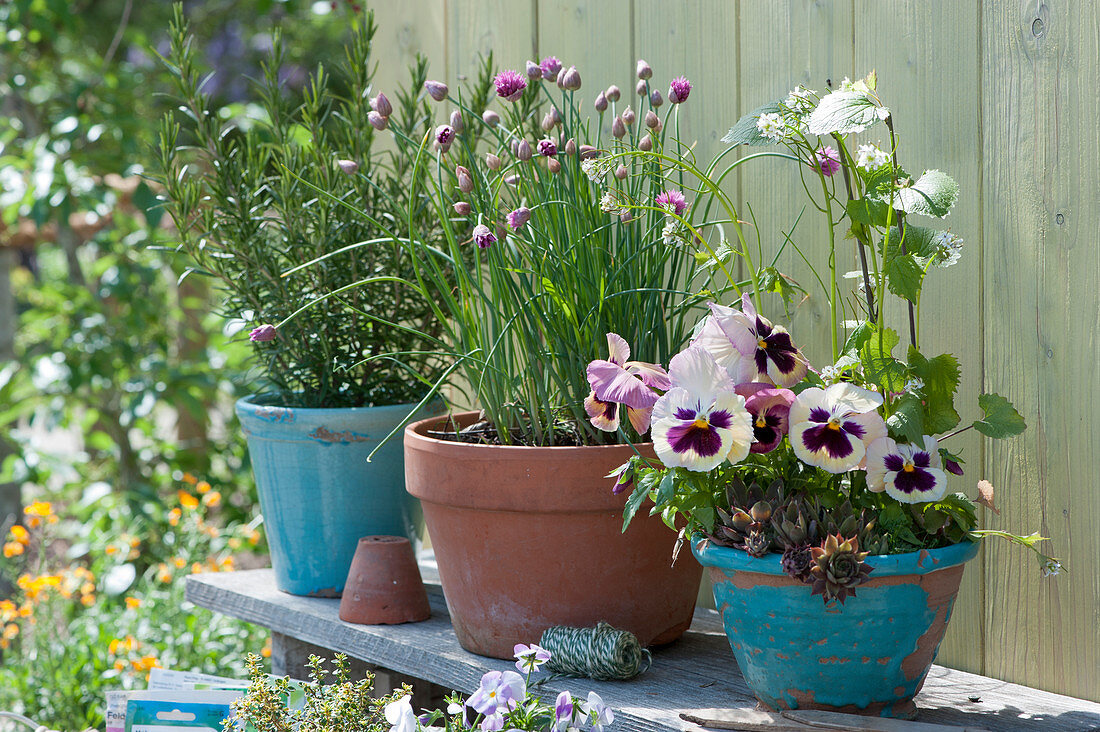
(241, 191)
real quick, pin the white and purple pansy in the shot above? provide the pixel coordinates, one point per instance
(908, 473)
(832, 427)
(620, 381)
(769, 407)
(750, 347)
(701, 421)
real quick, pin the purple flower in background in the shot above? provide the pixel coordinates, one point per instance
(483, 237)
(500, 691)
(381, 105)
(832, 428)
(678, 90)
(644, 70)
(492, 723)
(377, 120)
(490, 118)
(908, 473)
(444, 135)
(262, 333)
(551, 67)
(437, 89)
(701, 421)
(769, 408)
(624, 478)
(599, 714)
(570, 80)
(671, 201)
(530, 657)
(510, 85)
(519, 217)
(563, 712)
(828, 161)
(547, 148)
(534, 71)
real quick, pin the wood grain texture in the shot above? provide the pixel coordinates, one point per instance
(505, 27)
(1041, 153)
(594, 36)
(941, 135)
(697, 672)
(783, 44)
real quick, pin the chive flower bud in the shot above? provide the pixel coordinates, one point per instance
(437, 89)
(461, 208)
(465, 180)
(588, 152)
(645, 71)
(601, 102)
(519, 217)
(490, 118)
(613, 93)
(348, 167)
(570, 147)
(377, 120)
(381, 105)
(444, 136)
(618, 128)
(493, 161)
(640, 88)
(547, 123)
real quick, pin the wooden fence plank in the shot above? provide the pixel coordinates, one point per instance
(594, 36)
(505, 27)
(1041, 151)
(405, 29)
(944, 135)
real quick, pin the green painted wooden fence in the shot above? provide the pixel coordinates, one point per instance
(1002, 94)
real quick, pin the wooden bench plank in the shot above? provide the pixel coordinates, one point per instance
(697, 672)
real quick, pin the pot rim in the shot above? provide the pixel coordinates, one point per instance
(415, 436)
(886, 565)
(247, 405)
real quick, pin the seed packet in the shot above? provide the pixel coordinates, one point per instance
(166, 678)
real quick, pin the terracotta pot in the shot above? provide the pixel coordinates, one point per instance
(869, 655)
(531, 537)
(384, 585)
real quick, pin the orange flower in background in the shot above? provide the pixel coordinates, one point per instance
(12, 549)
(111, 550)
(134, 542)
(189, 479)
(180, 562)
(187, 500)
(266, 650)
(196, 568)
(227, 564)
(120, 665)
(144, 663)
(87, 600)
(132, 603)
(7, 611)
(234, 542)
(174, 516)
(202, 487)
(18, 533)
(164, 574)
(38, 511)
(213, 498)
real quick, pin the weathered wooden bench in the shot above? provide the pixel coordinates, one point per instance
(695, 674)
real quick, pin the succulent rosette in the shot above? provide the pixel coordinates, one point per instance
(701, 421)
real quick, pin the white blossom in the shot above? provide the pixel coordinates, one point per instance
(871, 157)
(914, 384)
(771, 126)
(800, 99)
(829, 374)
(946, 248)
(1051, 567)
(609, 204)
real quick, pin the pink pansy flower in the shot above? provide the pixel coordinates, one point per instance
(769, 407)
(772, 356)
(701, 421)
(618, 380)
(832, 428)
(500, 691)
(908, 473)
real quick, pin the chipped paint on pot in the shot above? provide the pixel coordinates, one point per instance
(869, 655)
(318, 494)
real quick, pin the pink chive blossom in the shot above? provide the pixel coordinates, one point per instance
(678, 90)
(510, 85)
(437, 90)
(828, 161)
(529, 657)
(551, 67)
(483, 237)
(262, 333)
(547, 148)
(534, 71)
(671, 201)
(519, 217)
(444, 135)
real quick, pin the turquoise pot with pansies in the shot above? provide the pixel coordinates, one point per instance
(867, 655)
(318, 494)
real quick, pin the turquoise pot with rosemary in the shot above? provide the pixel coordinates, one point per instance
(319, 495)
(867, 655)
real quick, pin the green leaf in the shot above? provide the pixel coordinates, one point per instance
(150, 205)
(1000, 419)
(844, 112)
(904, 276)
(745, 132)
(907, 419)
(879, 366)
(667, 490)
(772, 280)
(867, 211)
(932, 195)
(858, 337)
(637, 498)
(941, 378)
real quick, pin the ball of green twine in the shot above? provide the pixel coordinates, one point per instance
(601, 653)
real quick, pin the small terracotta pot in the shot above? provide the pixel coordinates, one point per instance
(384, 585)
(531, 537)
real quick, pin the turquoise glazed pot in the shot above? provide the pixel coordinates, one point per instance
(318, 493)
(868, 655)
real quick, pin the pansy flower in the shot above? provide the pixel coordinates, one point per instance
(620, 381)
(735, 336)
(831, 428)
(500, 691)
(769, 407)
(908, 473)
(701, 421)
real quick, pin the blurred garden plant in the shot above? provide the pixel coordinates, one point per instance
(757, 449)
(95, 611)
(348, 331)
